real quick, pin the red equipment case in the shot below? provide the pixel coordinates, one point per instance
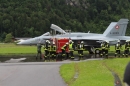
(60, 43)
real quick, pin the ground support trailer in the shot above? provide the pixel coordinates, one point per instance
(60, 42)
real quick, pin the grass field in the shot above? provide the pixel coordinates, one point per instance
(16, 49)
(93, 73)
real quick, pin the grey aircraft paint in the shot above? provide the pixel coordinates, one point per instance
(114, 32)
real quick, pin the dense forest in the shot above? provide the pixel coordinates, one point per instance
(30, 18)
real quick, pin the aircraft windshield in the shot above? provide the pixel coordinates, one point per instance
(55, 28)
(53, 33)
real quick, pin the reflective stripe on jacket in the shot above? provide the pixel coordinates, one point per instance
(107, 47)
(64, 47)
(80, 46)
(53, 48)
(118, 47)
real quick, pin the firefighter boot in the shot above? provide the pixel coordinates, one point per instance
(126, 55)
(101, 55)
(115, 54)
(106, 55)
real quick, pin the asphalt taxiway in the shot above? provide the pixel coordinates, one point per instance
(31, 74)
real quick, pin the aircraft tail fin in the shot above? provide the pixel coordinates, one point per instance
(117, 28)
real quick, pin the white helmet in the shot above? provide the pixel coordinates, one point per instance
(107, 41)
(118, 41)
(127, 40)
(67, 43)
(70, 41)
(47, 41)
(82, 42)
(53, 42)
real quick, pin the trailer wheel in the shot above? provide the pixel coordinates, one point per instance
(97, 51)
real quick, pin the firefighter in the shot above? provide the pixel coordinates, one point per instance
(71, 49)
(107, 47)
(118, 48)
(53, 51)
(46, 49)
(127, 47)
(64, 47)
(80, 47)
(39, 51)
(102, 48)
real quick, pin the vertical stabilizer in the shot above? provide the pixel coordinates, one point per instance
(117, 28)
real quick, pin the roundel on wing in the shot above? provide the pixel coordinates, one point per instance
(117, 26)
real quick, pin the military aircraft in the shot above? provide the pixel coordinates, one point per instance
(114, 32)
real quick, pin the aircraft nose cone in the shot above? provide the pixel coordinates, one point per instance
(19, 43)
(24, 43)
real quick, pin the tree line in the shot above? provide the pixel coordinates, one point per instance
(30, 18)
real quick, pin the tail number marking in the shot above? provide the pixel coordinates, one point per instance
(114, 32)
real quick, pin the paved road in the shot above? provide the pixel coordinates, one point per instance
(31, 74)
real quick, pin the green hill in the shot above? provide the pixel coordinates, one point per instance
(29, 18)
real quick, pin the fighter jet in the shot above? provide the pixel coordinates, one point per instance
(114, 32)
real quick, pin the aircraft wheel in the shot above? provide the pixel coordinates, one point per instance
(97, 51)
(97, 55)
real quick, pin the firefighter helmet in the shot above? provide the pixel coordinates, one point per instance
(107, 41)
(127, 40)
(67, 43)
(118, 41)
(70, 41)
(82, 42)
(47, 40)
(53, 42)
